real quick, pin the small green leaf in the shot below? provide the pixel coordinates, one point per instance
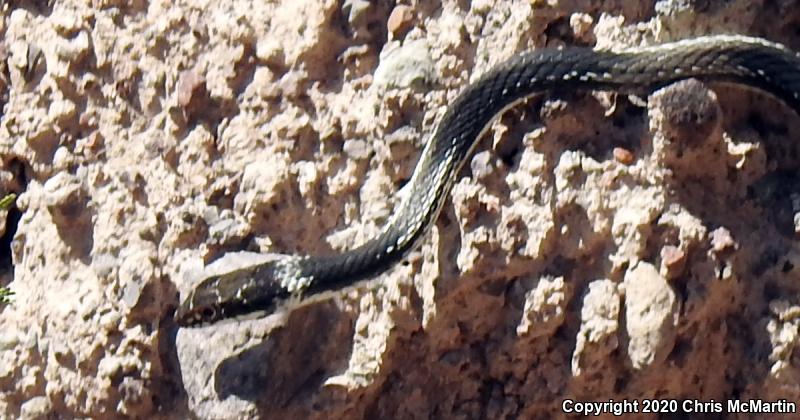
(5, 295)
(7, 201)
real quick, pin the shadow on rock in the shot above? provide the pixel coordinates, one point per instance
(293, 362)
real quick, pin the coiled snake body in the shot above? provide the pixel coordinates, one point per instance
(731, 58)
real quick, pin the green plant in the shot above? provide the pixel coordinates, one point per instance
(7, 201)
(5, 295)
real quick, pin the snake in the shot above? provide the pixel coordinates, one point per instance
(264, 287)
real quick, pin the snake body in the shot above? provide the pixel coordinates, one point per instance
(731, 58)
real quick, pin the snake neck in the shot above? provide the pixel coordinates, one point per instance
(320, 273)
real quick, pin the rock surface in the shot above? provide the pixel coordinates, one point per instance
(589, 251)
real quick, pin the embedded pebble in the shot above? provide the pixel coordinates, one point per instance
(623, 156)
(355, 9)
(651, 315)
(673, 261)
(400, 20)
(405, 66)
(356, 149)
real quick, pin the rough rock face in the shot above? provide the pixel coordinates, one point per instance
(593, 249)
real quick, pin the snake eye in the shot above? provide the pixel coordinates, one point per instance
(208, 313)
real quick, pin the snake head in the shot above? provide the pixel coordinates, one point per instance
(240, 294)
(205, 305)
